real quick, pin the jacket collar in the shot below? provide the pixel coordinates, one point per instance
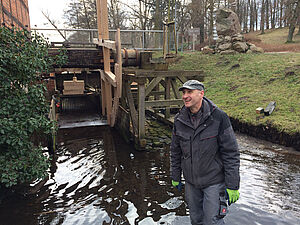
(208, 108)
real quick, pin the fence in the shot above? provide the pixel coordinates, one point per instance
(137, 39)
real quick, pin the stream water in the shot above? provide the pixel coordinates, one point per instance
(96, 178)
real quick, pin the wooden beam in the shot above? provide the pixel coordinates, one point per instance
(108, 101)
(167, 96)
(107, 44)
(152, 85)
(141, 105)
(118, 65)
(175, 89)
(182, 78)
(114, 110)
(103, 98)
(164, 103)
(111, 78)
(168, 73)
(102, 19)
(133, 112)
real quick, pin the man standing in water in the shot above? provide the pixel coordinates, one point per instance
(204, 148)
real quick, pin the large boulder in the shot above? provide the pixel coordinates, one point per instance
(227, 22)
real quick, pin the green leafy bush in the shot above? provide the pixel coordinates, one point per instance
(23, 107)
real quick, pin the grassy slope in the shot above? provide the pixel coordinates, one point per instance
(259, 79)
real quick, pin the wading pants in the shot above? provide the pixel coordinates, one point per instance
(204, 204)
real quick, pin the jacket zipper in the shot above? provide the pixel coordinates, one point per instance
(191, 150)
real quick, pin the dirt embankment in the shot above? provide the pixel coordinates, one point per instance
(267, 133)
(274, 40)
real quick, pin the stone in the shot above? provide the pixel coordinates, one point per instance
(225, 46)
(208, 50)
(227, 22)
(237, 37)
(219, 40)
(240, 46)
(255, 49)
(227, 38)
(228, 52)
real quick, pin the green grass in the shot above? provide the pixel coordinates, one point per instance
(259, 79)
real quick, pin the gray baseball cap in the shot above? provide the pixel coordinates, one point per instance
(192, 85)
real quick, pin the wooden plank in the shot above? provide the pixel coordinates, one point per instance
(182, 78)
(111, 78)
(152, 85)
(167, 73)
(102, 19)
(141, 105)
(107, 44)
(108, 101)
(164, 103)
(175, 89)
(71, 70)
(119, 63)
(133, 112)
(114, 110)
(156, 94)
(106, 59)
(167, 96)
(103, 98)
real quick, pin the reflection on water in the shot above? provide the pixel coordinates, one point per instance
(96, 178)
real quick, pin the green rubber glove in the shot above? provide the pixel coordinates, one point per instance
(175, 183)
(233, 195)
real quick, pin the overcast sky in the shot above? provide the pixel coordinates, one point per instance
(53, 7)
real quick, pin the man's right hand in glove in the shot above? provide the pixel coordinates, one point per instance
(177, 184)
(233, 195)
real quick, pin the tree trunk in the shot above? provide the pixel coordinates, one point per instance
(211, 22)
(291, 33)
(202, 27)
(281, 13)
(295, 10)
(245, 18)
(267, 14)
(255, 16)
(262, 20)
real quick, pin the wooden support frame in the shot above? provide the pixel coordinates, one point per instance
(167, 79)
(111, 83)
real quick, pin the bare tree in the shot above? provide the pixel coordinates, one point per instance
(262, 16)
(294, 6)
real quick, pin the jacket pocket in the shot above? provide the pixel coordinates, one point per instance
(185, 144)
(208, 134)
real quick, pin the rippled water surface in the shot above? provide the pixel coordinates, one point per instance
(97, 178)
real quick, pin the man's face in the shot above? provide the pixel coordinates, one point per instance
(192, 98)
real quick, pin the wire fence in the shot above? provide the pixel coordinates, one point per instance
(131, 39)
(137, 39)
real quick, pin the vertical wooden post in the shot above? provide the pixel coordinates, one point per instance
(141, 101)
(118, 69)
(165, 34)
(108, 100)
(103, 34)
(103, 94)
(167, 96)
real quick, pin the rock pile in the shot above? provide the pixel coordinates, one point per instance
(230, 40)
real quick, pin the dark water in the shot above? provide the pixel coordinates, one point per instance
(98, 179)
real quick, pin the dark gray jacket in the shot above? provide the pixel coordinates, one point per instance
(208, 154)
